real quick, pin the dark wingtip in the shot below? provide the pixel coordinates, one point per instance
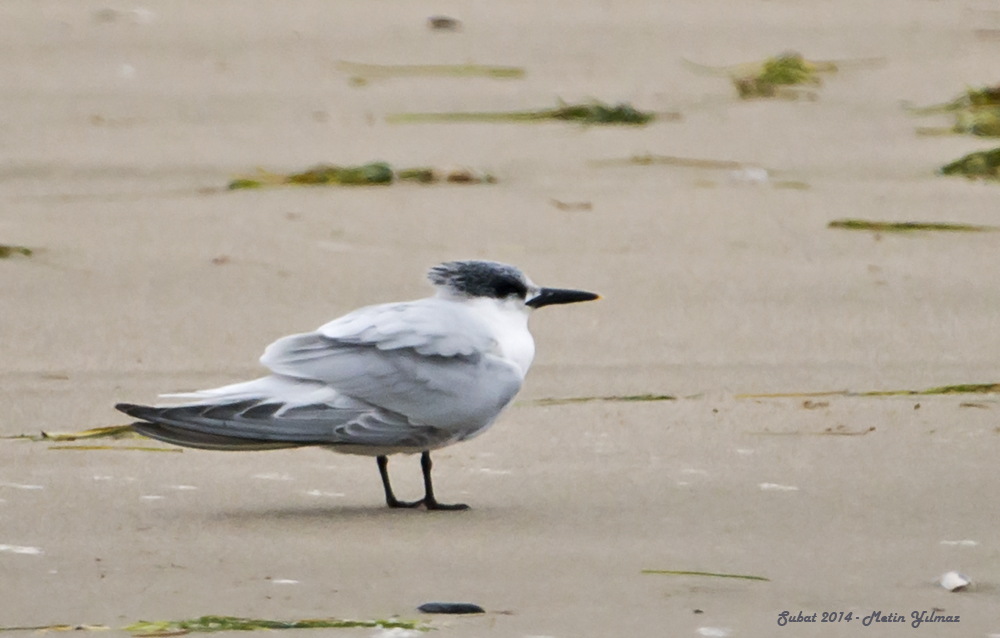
(133, 410)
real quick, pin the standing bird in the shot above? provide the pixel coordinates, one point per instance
(404, 377)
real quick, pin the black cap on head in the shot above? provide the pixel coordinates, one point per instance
(494, 280)
(480, 279)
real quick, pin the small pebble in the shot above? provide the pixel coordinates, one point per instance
(443, 23)
(450, 608)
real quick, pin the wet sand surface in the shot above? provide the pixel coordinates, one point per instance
(120, 126)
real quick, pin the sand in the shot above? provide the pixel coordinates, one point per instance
(120, 125)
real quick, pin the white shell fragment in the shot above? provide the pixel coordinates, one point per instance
(962, 543)
(21, 486)
(329, 494)
(774, 487)
(953, 581)
(274, 476)
(750, 175)
(20, 549)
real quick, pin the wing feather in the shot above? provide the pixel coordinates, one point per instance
(431, 360)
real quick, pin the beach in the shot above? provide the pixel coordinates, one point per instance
(727, 417)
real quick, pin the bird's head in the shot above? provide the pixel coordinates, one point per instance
(493, 280)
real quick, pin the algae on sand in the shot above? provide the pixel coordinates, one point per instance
(672, 572)
(779, 76)
(595, 112)
(115, 432)
(110, 432)
(361, 74)
(371, 174)
(789, 69)
(971, 98)
(976, 112)
(630, 398)
(964, 388)
(978, 165)
(905, 227)
(979, 121)
(7, 251)
(211, 624)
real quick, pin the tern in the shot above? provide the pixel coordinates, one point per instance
(397, 378)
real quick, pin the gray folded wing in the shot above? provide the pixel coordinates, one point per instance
(430, 360)
(269, 423)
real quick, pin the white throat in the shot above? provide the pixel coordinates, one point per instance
(508, 322)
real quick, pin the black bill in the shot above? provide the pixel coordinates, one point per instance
(552, 296)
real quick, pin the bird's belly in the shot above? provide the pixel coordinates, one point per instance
(372, 450)
(386, 450)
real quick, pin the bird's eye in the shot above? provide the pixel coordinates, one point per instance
(505, 289)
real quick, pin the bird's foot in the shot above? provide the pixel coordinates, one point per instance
(432, 504)
(404, 504)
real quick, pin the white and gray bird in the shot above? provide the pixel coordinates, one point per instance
(404, 377)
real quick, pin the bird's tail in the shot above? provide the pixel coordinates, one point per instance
(156, 424)
(276, 412)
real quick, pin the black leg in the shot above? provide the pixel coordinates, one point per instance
(429, 500)
(390, 498)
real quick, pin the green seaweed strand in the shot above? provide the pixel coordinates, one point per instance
(671, 572)
(638, 398)
(902, 227)
(9, 251)
(981, 164)
(589, 113)
(211, 624)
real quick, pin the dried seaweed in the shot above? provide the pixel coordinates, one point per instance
(115, 432)
(978, 165)
(571, 206)
(980, 121)
(7, 251)
(371, 174)
(971, 98)
(636, 398)
(595, 112)
(671, 160)
(111, 432)
(211, 624)
(976, 112)
(840, 430)
(781, 76)
(905, 227)
(967, 388)
(122, 448)
(41, 628)
(362, 74)
(789, 69)
(672, 572)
